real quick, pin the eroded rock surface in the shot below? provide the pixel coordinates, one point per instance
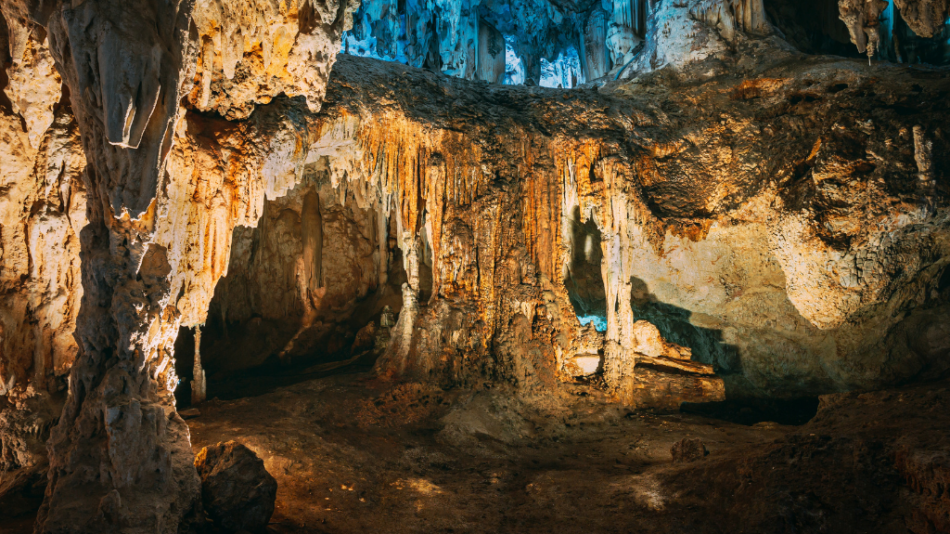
(697, 216)
(779, 229)
(159, 233)
(780, 272)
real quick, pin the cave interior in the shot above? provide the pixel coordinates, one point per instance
(519, 266)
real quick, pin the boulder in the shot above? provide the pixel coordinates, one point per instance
(237, 491)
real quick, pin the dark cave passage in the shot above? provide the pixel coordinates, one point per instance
(584, 279)
(305, 297)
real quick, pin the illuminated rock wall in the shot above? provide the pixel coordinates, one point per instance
(161, 213)
(779, 232)
(789, 272)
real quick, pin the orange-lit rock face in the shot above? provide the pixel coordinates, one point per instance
(771, 267)
(769, 263)
(162, 206)
(43, 211)
(250, 52)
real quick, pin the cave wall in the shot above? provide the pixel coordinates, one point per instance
(282, 298)
(161, 212)
(42, 211)
(784, 227)
(792, 273)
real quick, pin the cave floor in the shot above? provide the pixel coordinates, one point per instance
(352, 453)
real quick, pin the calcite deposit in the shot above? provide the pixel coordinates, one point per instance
(716, 215)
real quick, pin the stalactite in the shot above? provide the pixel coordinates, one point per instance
(594, 45)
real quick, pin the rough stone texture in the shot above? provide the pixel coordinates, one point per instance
(25, 419)
(724, 273)
(236, 490)
(455, 37)
(925, 17)
(250, 51)
(312, 273)
(159, 231)
(688, 450)
(33, 85)
(783, 226)
(42, 211)
(817, 268)
(862, 19)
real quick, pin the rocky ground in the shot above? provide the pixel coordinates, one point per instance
(352, 453)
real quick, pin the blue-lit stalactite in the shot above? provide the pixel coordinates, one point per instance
(564, 44)
(899, 44)
(564, 72)
(538, 42)
(514, 67)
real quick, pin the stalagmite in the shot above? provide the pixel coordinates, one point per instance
(199, 385)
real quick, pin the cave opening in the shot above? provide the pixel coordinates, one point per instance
(584, 275)
(308, 290)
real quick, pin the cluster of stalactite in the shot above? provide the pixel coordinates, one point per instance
(563, 44)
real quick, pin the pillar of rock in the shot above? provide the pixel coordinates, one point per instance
(160, 224)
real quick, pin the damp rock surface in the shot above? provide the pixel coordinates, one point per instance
(236, 490)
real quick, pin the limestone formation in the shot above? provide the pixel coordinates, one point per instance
(717, 217)
(925, 17)
(34, 87)
(861, 18)
(159, 233)
(768, 287)
(729, 16)
(42, 211)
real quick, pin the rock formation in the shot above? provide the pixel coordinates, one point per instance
(727, 218)
(158, 233)
(237, 492)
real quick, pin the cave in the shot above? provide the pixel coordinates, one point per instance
(584, 280)
(474, 266)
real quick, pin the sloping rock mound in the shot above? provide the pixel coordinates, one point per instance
(236, 490)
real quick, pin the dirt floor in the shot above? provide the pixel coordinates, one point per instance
(354, 454)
